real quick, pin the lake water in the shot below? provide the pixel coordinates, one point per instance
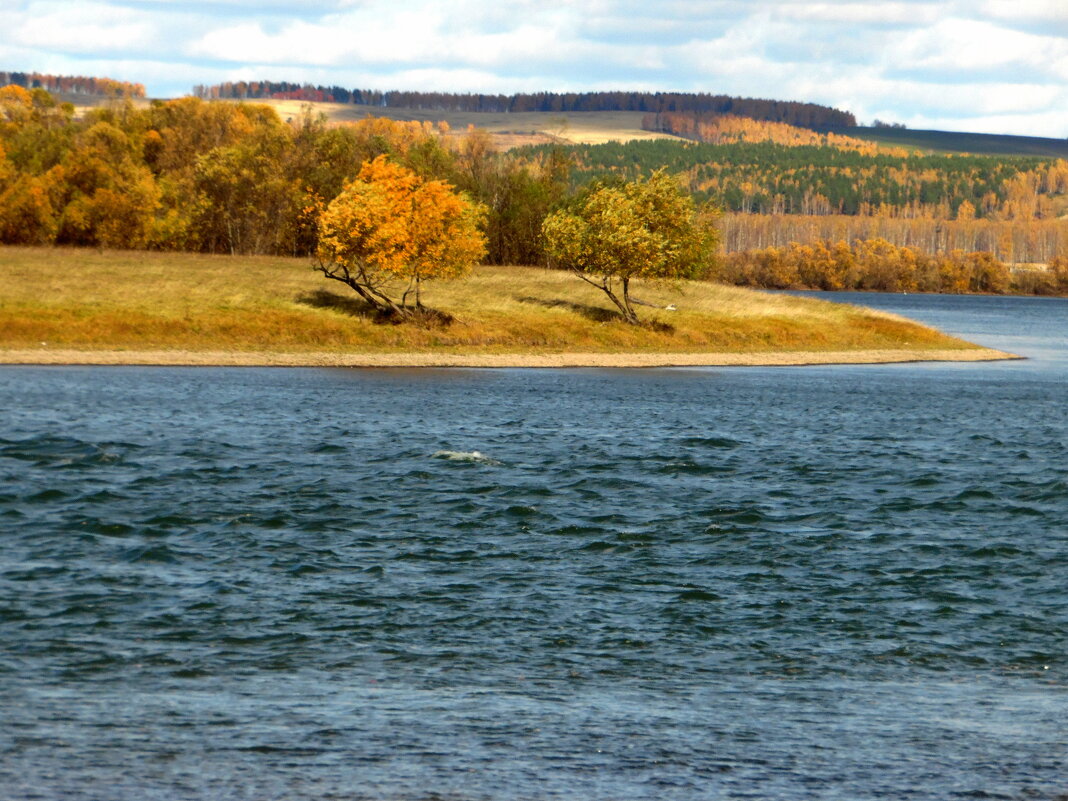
(825, 582)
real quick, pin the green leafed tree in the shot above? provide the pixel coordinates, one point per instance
(645, 229)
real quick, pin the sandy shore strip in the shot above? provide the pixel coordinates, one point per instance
(180, 358)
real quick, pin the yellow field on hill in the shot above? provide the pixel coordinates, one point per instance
(86, 301)
(525, 127)
(508, 130)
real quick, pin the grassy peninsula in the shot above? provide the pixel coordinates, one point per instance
(81, 306)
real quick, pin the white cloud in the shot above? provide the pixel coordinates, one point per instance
(956, 63)
(83, 28)
(972, 46)
(1032, 10)
(863, 13)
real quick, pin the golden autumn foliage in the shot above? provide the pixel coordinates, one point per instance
(15, 105)
(230, 177)
(220, 177)
(390, 230)
(643, 229)
(722, 129)
(878, 265)
(27, 213)
(1024, 241)
(110, 196)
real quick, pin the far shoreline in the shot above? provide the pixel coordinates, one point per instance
(430, 359)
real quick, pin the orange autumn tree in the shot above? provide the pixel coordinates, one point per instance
(390, 230)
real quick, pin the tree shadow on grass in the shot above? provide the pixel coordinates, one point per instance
(358, 307)
(595, 313)
(324, 299)
(659, 327)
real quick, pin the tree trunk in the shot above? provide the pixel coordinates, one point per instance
(622, 304)
(625, 311)
(632, 316)
(376, 299)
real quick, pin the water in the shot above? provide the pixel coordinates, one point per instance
(826, 583)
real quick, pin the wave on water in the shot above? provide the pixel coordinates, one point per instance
(463, 456)
(47, 450)
(246, 583)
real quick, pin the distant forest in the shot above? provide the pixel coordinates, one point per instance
(188, 174)
(805, 115)
(765, 177)
(72, 84)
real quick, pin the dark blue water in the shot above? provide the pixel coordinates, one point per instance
(826, 583)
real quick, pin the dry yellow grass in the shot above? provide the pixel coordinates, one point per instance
(88, 301)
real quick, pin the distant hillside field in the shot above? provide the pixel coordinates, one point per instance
(510, 129)
(597, 127)
(956, 142)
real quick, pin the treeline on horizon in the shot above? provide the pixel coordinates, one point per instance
(208, 177)
(805, 115)
(72, 84)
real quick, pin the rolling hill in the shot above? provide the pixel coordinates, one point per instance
(959, 142)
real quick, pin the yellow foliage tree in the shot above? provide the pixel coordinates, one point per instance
(16, 107)
(644, 229)
(27, 212)
(390, 229)
(112, 196)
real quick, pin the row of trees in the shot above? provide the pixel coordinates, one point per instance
(72, 84)
(1013, 241)
(722, 129)
(878, 265)
(280, 90)
(234, 178)
(807, 115)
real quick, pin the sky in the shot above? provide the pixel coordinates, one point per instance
(994, 66)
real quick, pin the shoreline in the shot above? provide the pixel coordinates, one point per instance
(430, 359)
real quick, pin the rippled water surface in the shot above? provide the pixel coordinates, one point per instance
(826, 583)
